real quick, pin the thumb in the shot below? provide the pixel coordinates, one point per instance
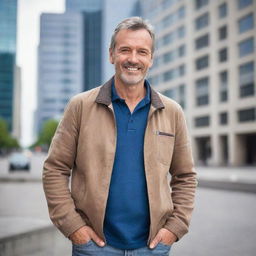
(155, 241)
(97, 239)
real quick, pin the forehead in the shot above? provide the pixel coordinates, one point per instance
(133, 38)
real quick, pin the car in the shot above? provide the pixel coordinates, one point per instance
(19, 161)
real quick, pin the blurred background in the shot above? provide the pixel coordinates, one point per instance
(205, 58)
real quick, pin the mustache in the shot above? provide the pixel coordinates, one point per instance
(129, 64)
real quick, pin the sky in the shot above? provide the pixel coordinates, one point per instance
(27, 42)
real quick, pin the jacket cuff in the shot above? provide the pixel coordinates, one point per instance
(70, 226)
(176, 227)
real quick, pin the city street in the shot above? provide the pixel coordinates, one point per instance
(223, 221)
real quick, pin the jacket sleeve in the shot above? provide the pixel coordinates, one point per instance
(57, 171)
(183, 182)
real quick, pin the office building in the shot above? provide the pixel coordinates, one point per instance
(60, 63)
(8, 29)
(205, 60)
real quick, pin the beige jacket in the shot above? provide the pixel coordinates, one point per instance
(85, 142)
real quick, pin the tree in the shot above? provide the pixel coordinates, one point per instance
(46, 134)
(7, 142)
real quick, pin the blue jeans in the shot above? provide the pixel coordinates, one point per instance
(92, 249)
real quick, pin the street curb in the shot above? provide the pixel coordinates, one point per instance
(228, 185)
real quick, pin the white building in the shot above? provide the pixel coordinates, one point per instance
(205, 60)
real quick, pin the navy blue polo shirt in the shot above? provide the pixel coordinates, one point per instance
(127, 218)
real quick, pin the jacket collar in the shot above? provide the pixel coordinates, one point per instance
(104, 96)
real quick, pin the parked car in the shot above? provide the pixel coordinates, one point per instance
(19, 161)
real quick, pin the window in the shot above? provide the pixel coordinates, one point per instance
(246, 47)
(201, 3)
(202, 121)
(177, 94)
(243, 3)
(223, 118)
(202, 94)
(246, 115)
(246, 80)
(223, 10)
(223, 55)
(202, 42)
(202, 21)
(181, 50)
(223, 78)
(202, 62)
(223, 33)
(246, 23)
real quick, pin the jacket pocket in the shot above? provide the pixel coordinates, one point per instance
(165, 144)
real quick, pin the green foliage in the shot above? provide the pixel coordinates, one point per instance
(6, 140)
(45, 136)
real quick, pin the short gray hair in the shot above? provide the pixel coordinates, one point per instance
(133, 23)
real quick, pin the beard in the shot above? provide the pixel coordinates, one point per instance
(132, 79)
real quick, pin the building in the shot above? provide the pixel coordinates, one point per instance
(91, 10)
(8, 29)
(205, 60)
(60, 63)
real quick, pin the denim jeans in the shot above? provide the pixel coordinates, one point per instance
(92, 249)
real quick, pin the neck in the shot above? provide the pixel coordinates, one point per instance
(131, 93)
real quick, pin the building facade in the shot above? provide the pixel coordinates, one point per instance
(91, 10)
(8, 31)
(60, 64)
(205, 60)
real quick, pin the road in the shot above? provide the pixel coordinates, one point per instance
(223, 222)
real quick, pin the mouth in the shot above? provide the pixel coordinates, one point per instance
(132, 68)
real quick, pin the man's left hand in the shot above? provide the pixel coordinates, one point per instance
(164, 236)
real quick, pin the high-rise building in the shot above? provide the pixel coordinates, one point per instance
(92, 24)
(60, 63)
(8, 28)
(205, 60)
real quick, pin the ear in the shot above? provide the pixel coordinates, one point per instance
(111, 58)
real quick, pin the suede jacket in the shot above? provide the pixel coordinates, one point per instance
(84, 146)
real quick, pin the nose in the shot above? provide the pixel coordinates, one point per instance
(133, 57)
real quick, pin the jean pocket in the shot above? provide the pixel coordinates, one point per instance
(90, 242)
(165, 245)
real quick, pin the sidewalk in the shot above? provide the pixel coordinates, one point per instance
(229, 178)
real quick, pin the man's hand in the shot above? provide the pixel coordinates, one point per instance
(84, 234)
(164, 236)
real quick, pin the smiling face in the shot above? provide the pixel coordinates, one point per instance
(132, 56)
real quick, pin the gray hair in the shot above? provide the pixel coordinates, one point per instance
(133, 23)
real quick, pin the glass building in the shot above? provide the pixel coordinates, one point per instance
(92, 23)
(8, 24)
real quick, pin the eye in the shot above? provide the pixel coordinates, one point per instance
(124, 50)
(143, 52)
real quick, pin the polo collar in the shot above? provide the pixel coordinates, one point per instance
(104, 95)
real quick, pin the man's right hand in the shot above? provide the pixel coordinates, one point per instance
(84, 234)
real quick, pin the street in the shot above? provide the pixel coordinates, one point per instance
(223, 222)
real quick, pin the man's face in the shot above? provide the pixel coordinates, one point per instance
(132, 56)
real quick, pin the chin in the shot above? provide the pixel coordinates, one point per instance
(131, 80)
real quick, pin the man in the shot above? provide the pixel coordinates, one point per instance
(121, 140)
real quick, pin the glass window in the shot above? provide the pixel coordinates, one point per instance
(246, 23)
(202, 42)
(202, 21)
(246, 115)
(223, 55)
(202, 121)
(246, 80)
(202, 62)
(200, 3)
(223, 10)
(246, 47)
(223, 78)
(243, 3)
(202, 91)
(223, 32)
(223, 118)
